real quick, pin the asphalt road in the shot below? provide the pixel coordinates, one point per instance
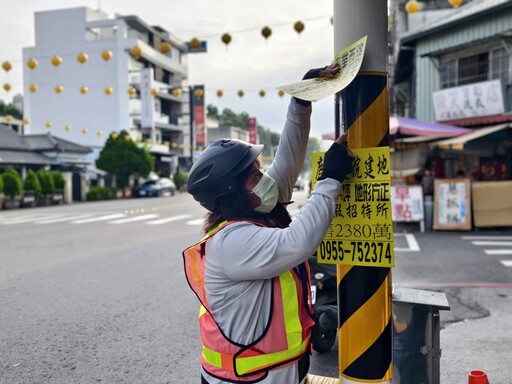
(95, 292)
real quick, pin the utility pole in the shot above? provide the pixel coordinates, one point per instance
(364, 293)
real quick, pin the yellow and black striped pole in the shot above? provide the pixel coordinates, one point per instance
(364, 293)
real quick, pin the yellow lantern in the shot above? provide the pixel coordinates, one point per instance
(280, 93)
(58, 89)
(8, 118)
(26, 121)
(32, 63)
(240, 93)
(298, 26)
(108, 91)
(84, 131)
(159, 142)
(266, 32)
(84, 90)
(219, 93)
(114, 135)
(48, 124)
(127, 138)
(136, 51)
(165, 48)
(176, 92)
(7, 87)
(82, 57)
(56, 61)
(412, 6)
(154, 92)
(106, 55)
(174, 145)
(33, 88)
(195, 43)
(455, 3)
(99, 133)
(132, 91)
(226, 38)
(67, 127)
(6, 66)
(262, 93)
(198, 93)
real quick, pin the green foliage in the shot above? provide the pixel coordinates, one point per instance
(32, 183)
(101, 193)
(58, 180)
(10, 109)
(180, 179)
(46, 181)
(1, 184)
(122, 157)
(12, 183)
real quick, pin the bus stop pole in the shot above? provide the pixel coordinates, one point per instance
(364, 293)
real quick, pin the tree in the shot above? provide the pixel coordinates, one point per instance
(12, 183)
(10, 109)
(123, 158)
(58, 179)
(31, 183)
(46, 181)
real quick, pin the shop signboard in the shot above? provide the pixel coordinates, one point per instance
(452, 204)
(407, 203)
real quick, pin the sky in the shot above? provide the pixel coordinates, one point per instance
(248, 63)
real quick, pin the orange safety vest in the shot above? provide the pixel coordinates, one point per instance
(287, 335)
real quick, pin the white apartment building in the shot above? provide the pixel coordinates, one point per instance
(84, 102)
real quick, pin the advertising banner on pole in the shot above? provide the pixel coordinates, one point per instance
(199, 114)
(252, 130)
(147, 100)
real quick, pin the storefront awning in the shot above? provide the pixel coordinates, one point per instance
(457, 143)
(413, 127)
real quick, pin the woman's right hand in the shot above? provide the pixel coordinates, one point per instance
(337, 160)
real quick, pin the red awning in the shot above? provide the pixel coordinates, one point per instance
(482, 120)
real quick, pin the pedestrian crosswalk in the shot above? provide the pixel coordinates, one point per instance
(494, 245)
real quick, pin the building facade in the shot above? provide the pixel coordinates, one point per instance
(87, 82)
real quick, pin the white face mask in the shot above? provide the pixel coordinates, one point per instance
(267, 191)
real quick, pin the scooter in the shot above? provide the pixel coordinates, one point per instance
(325, 305)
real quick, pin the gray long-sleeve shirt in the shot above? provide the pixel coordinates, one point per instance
(242, 258)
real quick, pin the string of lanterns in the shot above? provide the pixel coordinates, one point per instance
(413, 6)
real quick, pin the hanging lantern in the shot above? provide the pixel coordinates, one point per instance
(33, 88)
(154, 92)
(127, 138)
(262, 93)
(226, 38)
(56, 61)
(108, 91)
(32, 63)
(198, 93)
(106, 55)
(195, 43)
(48, 124)
(26, 121)
(6, 66)
(136, 51)
(176, 92)
(174, 145)
(84, 90)
(84, 131)
(240, 93)
(219, 93)
(82, 57)
(165, 48)
(67, 127)
(138, 139)
(266, 32)
(58, 89)
(99, 133)
(412, 6)
(114, 135)
(132, 91)
(8, 118)
(455, 3)
(280, 93)
(7, 87)
(298, 26)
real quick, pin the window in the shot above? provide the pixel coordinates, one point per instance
(473, 69)
(499, 65)
(449, 74)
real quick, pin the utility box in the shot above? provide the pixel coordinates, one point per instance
(416, 339)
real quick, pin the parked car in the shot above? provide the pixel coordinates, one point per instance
(159, 187)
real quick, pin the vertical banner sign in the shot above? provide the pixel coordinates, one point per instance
(147, 100)
(407, 203)
(452, 204)
(199, 111)
(361, 232)
(252, 130)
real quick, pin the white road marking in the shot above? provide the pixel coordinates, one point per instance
(506, 263)
(99, 218)
(411, 242)
(60, 219)
(134, 218)
(168, 219)
(496, 243)
(28, 219)
(498, 251)
(487, 237)
(195, 222)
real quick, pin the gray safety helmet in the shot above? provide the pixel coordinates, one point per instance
(214, 172)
